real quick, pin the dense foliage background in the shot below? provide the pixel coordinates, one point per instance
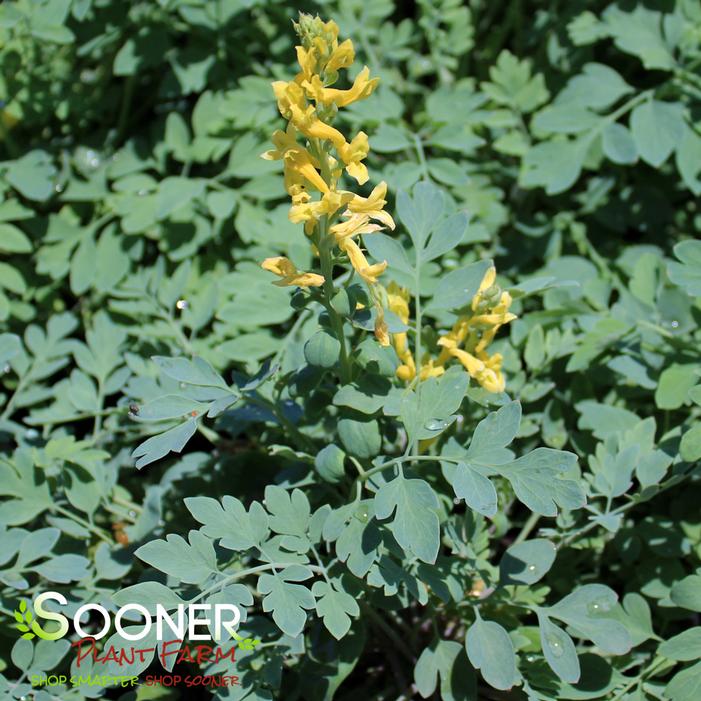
(135, 210)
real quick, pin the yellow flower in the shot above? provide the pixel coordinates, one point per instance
(491, 377)
(430, 369)
(286, 269)
(341, 57)
(299, 163)
(307, 59)
(363, 86)
(373, 205)
(357, 225)
(309, 212)
(368, 272)
(381, 330)
(353, 153)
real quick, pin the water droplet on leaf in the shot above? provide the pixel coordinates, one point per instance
(361, 513)
(437, 424)
(602, 605)
(555, 644)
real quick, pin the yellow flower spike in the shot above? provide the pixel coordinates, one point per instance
(286, 269)
(316, 154)
(372, 206)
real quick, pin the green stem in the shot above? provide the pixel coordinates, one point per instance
(527, 528)
(422, 156)
(127, 504)
(623, 508)
(403, 459)
(329, 291)
(102, 535)
(244, 573)
(318, 559)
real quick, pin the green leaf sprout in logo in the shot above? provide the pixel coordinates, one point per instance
(26, 623)
(24, 618)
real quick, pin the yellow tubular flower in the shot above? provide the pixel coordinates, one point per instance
(372, 206)
(310, 212)
(286, 269)
(357, 225)
(363, 86)
(353, 153)
(342, 56)
(368, 272)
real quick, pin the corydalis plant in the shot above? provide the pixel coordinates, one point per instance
(315, 156)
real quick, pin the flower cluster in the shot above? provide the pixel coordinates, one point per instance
(466, 342)
(315, 156)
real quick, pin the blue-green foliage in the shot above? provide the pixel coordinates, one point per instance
(172, 426)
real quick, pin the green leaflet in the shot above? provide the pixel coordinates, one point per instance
(405, 498)
(237, 528)
(491, 651)
(287, 600)
(382, 537)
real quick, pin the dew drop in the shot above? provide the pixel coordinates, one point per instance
(361, 514)
(132, 513)
(141, 192)
(182, 304)
(599, 606)
(58, 187)
(555, 645)
(6, 368)
(674, 324)
(436, 424)
(91, 158)
(531, 568)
